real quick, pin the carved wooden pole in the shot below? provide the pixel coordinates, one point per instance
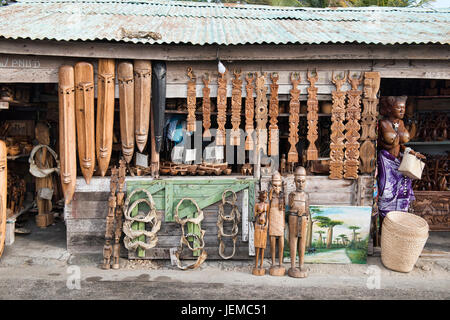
(236, 106)
(206, 107)
(312, 117)
(369, 122)
(273, 111)
(191, 100)
(353, 115)
(249, 111)
(261, 113)
(294, 118)
(142, 92)
(221, 109)
(337, 129)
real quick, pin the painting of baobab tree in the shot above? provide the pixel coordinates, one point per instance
(338, 234)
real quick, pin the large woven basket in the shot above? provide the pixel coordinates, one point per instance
(403, 236)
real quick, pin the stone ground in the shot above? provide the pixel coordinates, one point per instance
(37, 266)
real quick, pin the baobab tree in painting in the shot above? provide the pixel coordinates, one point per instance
(325, 222)
(320, 242)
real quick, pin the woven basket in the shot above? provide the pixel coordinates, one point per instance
(403, 236)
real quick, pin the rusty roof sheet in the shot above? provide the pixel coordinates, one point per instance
(178, 22)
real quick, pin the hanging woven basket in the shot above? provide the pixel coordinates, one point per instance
(403, 237)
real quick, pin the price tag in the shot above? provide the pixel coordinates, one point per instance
(173, 258)
(190, 155)
(209, 153)
(141, 160)
(177, 154)
(219, 153)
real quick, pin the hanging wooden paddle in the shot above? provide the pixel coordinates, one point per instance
(312, 117)
(67, 132)
(221, 109)
(191, 100)
(105, 113)
(126, 99)
(142, 92)
(249, 111)
(3, 188)
(337, 129)
(273, 112)
(352, 127)
(236, 106)
(206, 107)
(84, 111)
(294, 118)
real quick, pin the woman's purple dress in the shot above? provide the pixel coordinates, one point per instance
(395, 189)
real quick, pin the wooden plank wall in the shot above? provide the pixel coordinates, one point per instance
(85, 216)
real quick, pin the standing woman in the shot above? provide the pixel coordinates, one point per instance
(395, 189)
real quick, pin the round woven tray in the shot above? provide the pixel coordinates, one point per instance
(403, 237)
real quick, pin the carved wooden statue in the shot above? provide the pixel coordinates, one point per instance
(3, 190)
(283, 164)
(112, 202)
(369, 122)
(119, 213)
(236, 106)
(249, 111)
(273, 111)
(276, 224)
(298, 222)
(337, 129)
(312, 116)
(126, 99)
(294, 118)
(191, 100)
(206, 107)
(105, 113)
(84, 101)
(261, 113)
(221, 109)
(261, 225)
(67, 132)
(142, 92)
(353, 115)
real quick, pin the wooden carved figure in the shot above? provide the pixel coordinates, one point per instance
(249, 111)
(337, 128)
(298, 222)
(276, 224)
(119, 212)
(353, 115)
(191, 100)
(221, 109)
(261, 225)
(112, 202)
(273, 111)
(312, 116)
(236, 106)
(126, 99)
(67, 131)
(294, 118)
(261, 113)
(206, 107)
(283, 164)
(3, 191)
(84, 101)
(142, 70)
(105, 113)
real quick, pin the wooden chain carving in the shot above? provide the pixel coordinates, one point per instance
(112, 201)
(119, 212)
(261, 113)
(67, 132)
(294, 118)
(105, 113)
(126, 98)
(191, 100)
(249, 111)
(312, 117)
(337, 129)
(352, 127)
(273, 111)
(221, 109)
(369, 122)
(85, 117)
(206, 107)
(236, 106)
(142, 92)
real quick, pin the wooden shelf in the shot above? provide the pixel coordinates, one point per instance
(431, 97)
(428, 143)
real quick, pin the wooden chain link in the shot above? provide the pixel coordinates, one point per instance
(234, 217)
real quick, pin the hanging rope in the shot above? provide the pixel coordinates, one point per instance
(130, 241)
(197, 238)
(42, 172)
(234, 217)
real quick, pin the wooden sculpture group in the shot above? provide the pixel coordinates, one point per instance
(270, 217)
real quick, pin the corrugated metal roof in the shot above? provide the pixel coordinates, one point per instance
(203, 23)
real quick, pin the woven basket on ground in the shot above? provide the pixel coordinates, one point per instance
(403, 236)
